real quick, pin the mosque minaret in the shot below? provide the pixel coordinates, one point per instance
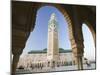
(53, 45)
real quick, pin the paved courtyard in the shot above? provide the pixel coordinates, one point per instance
(61, 68)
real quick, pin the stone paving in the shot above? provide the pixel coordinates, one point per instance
(61, 68)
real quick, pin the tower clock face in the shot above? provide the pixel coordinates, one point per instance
(52, 27)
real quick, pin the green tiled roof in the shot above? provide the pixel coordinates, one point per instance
(45, 51)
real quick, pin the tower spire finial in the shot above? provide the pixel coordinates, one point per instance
(53, 16)
(52, 19)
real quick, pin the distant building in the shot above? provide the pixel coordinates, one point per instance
(39, 57)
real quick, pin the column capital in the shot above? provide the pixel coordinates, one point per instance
(17, 51)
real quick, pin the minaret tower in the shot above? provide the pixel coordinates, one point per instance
(53, 47)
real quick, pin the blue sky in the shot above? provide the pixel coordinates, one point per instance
(38, 38)
(89, 48)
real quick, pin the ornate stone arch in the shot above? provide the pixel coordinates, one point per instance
(90, 26)
(70, 17)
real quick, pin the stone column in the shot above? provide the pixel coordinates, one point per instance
(78, 55)
(76, 37)
(16, 55)
(78, 50)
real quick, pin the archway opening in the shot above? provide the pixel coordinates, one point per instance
(39, 34)
(89, 46)
(36, 46)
